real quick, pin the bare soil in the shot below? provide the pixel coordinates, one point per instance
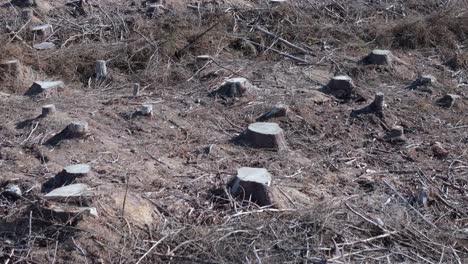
(343, 194)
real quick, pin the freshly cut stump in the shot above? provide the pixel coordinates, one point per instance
(279, 110)
(43, 30)
(423, 83)
(136, 89)
(46, 88)
(67, 176)
(448, 101)
(379, 57)
(252, 184)
(48, 110)
(235, 87)
(341, 86)
(396, 135)
(73, 192)
(44, 46)
(77, 129)
(101, 70)
(147, 110)
(265, 135)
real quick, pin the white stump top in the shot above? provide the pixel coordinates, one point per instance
(48, 85)
(258, 175)
(342, 78)
(265, 128)
(381, 52)
(236, 80)
(78, 169)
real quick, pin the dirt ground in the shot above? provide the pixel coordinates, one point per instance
(342, 192)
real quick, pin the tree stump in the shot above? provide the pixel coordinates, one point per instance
(265, 135)
(101, 70)
(136, 89)
(341, 86)
(45, 88)
(154, 10)
(72, 192)
(423, 83)
(44, 46)
(235, 87)
(396, 135)
(77, 129)
(146, 110)
(11, 68)
(252, 184)
(27, 14)
(376, 107)
(48, 110)
(13, 191)
(67, 176)
(43, 30)
(279, 110)
(448, 101)
(379, 57)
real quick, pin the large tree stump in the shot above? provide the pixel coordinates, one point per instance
(235, 87)
(376, 107)
(379, 57)
(279, 110)
(67, 176)
(341, 86)
(48, 110)
(45, 88)
(101, 70)
(252, 184)
(265, 135)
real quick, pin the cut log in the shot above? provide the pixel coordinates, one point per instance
(265, 135)
(136, 89)
(44, 46)
(48, 110)
(147, 110)
(252, 184)
(235, 87)
(43, 30)
(11, 68)
(44, 88)
(341, 87)
(379, 57)
(376, 107)
(101, 70)
(448, 101)
(396, 135)
(279, 110)
(67, 176)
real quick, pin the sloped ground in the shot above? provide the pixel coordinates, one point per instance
(339, 189)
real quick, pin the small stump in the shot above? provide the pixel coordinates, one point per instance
(45, 89)
(423, 83)
(341, 86)
(27, 14)
(101, 70)
(48, 110)
(235, 87)
(43, 30)
(379, 57)
(77, 129)
(265, 135)
(136, 89)
(67, 176)
(279, 110)
(448, 101)
(439, 151)
(13, 191)
(396, 135)
(73, 192)
(252, 184)
(154, 10)
(11, 68)
(146, 110)
(376, 107)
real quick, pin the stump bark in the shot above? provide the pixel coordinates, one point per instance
(48, 110)
(341, 86)
(379, 57)
(235, 87)
(252, 184)
(45, 89)
(265, 135)
(101, 70)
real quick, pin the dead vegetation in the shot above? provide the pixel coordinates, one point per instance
(345, 191)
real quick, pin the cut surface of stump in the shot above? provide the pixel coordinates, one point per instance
(341, 87)
(376, 107)
(44, 46)
(42, 30)
(448, 100)
(265, 135)
(379, 57)
(67, 176)
(252, 184)
(48, 110)
(70, 192)
(44, 88)
(279, 110)
(396, 135)
(235, 87)
(101, 70)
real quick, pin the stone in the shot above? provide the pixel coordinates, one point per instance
(44, 88)
(341, 86)
(252, 184)
(265, 135)
(44, 46)
(70, 192)
(137, 210)
(13, 190)
(448, 100)
(379, 57)
(234, 87)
